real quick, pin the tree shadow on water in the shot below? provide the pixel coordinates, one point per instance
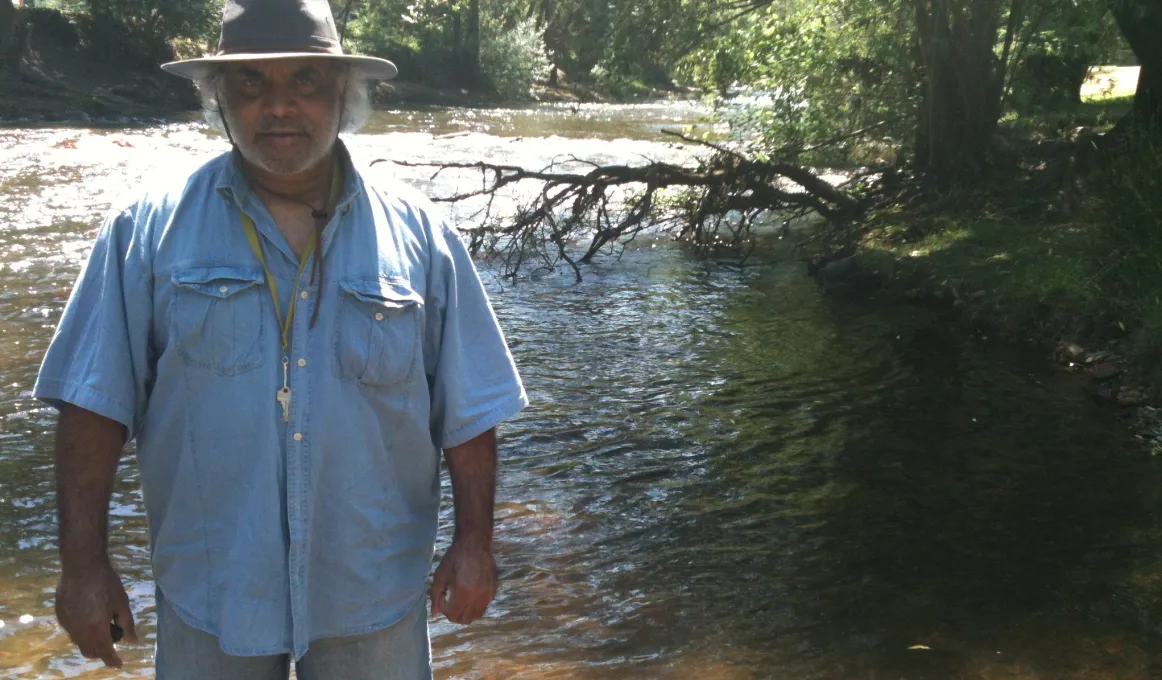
(898, 502)
(988, 515)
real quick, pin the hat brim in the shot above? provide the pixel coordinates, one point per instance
(372, 68)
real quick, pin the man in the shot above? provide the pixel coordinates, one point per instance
(291, 346)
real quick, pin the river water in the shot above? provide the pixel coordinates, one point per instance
(722, 476)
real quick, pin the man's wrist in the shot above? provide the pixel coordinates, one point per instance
(75, 563)
(476, 539)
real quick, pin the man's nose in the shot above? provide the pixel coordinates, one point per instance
(279, 102)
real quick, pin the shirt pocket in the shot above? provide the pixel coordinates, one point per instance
(217, 319)
(377, 332)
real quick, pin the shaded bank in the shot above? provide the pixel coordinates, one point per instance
(123, 97)
(1060, 249)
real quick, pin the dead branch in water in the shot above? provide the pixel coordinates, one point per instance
(576, 215)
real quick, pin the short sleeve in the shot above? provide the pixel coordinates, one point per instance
(98, 357)
(473, 378)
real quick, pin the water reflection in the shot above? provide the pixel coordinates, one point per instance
(722, 476)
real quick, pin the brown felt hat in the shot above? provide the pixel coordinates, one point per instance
(279, 29)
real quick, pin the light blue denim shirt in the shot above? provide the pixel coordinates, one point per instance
(264, 533)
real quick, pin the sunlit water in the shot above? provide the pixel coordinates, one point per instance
(722, 475)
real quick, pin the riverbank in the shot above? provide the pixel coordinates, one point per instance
(1066, 261)
(1062, 258)
(58, 85)
(36, 97)
(74, 72)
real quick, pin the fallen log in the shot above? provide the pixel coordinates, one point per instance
(581, 213)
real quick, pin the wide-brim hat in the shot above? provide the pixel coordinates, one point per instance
(279, 29)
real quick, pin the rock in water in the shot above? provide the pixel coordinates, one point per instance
(1073, 352)
(845, 276)
(1106, 370)
(1131, 396)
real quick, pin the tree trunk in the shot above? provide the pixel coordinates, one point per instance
(456, 56)
(1141, 22)
(962, 91)
(472, 45)
(345, 17)
(9, 49)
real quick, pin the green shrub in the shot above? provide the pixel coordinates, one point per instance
(1127, 221)
(53, 26)
(512, 60)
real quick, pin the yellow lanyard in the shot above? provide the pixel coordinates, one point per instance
(256, 246)
(252, 236)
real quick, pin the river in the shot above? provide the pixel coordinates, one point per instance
(723, 475)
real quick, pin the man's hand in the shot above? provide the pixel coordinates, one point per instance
(465, 582)
(86, 601)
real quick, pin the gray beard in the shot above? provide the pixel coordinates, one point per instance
(288, 166)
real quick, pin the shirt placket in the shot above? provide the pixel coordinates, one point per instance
(298, 467)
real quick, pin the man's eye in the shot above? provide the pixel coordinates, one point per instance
(250, 82)
(307, 79)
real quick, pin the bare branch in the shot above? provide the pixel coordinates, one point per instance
(703, 142)
(718, 203)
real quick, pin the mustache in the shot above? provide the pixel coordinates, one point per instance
(282, 128)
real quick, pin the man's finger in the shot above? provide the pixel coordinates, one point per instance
(111, 659)
(468, 605)
(479, 606)
(453, 604)
(99, 645)
(462, 605)
(461, 598)
(439, 586)
(124, 615)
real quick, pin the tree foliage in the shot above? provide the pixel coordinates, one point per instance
(439, 41)
(811, 70)
(512, 58)
(1140, 22)
(931, 77)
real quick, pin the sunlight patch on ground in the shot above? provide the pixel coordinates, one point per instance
(1110, 82)
(940, 241)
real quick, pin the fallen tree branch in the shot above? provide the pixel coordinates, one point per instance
(716, 203)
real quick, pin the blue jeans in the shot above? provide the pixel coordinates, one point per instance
(399, 652)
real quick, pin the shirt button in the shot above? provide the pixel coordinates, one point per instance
(379, 316)
(298, 436)
(304, 295)
(223, 289)
(302, 363)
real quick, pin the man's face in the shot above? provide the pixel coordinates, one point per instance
(284, 114)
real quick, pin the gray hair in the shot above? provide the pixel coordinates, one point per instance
(356, 100)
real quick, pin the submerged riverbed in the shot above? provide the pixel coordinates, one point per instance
(722, 476)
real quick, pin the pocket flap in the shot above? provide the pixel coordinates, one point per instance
(395, 294)
(221, 282)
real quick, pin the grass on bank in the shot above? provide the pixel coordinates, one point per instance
(1082, 261)
(1095, 114)
(1107, 94)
